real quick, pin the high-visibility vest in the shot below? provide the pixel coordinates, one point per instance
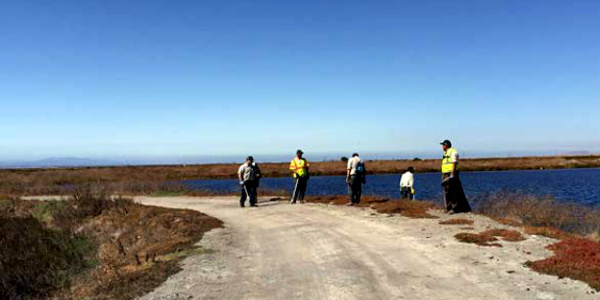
(298, 166)
(446, 163)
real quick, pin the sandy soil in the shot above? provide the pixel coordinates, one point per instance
(314, 251)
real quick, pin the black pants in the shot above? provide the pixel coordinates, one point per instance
(455, 195)
(406, 193)
(248, 191)
(354, 189)
(299, 189)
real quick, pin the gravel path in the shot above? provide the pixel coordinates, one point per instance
(312, 251)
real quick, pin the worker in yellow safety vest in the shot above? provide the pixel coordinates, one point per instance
(454, 195)
(299, 167)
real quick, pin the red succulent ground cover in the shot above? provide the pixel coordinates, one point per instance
(486, 238)
(478, 239)
(575, 258)
(505, 234)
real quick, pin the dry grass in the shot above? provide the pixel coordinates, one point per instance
(534, 211)
(547, 232)
(411, 209)
(575, 258)
(457, 222)
(486, 238)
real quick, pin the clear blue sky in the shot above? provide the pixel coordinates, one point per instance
(179, 78)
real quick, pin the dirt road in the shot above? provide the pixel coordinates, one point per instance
(311, 251)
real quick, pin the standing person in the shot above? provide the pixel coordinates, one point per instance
(455, 198)
(248, 174)
(299, 166)
(355, 177)
(407, 184)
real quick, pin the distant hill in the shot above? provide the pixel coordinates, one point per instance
(57, 162)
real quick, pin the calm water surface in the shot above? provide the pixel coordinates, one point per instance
(579, 185)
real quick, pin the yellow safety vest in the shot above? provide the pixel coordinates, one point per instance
(446, 163)
(298, 166)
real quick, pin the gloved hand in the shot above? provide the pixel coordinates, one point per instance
(241, 183)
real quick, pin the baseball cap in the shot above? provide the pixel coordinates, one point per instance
(447, 143)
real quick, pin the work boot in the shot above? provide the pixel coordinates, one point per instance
(349, 204)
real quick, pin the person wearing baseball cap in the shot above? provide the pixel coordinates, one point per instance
(355, 177)
(454, 195)
(299, 167)
(249, 175)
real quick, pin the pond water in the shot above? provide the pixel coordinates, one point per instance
(578, 185)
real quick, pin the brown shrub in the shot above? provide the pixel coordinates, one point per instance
(457, 222)
(575, 258)
(36, 261)
(131, 240)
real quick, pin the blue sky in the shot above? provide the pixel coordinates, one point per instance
(185, 78)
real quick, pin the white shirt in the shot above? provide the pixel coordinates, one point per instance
(242, 169)
(353, 163)
(454, 156)
(245, 171)
(407, 180)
